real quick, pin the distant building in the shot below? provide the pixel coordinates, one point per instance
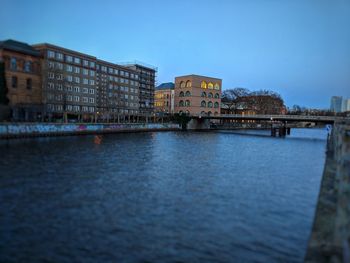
(197, 95)
(336, 103)
(346, 105)
(23, 77)
(165, 98)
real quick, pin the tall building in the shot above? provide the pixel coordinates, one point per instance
(346, 105)
(23, 77)
(336, 103)
(165, 98)
(46, 80)
(118, 90)
(69, 81)
(197, 95)
(147, 77)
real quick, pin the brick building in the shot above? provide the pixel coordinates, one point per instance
(23, 77)
(197, 95)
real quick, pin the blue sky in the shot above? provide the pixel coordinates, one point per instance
(298, 48)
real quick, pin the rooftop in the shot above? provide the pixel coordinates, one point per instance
(17, 46)
(197, 76)
(167, 85)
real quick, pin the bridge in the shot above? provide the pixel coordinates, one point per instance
(277, 123)
(282, 118)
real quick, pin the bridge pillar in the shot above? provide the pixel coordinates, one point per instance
(198, 124)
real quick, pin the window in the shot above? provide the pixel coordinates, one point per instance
(13, 65)
(59, 56)
(91, 109)
(59, 76)
(76, 98)
(77, 70)
(59, 66)
(69, 88)
(85, 81)
(59, 87)
(121, 73)
(51, 54)
(210, 104)
(181, 103)
(210, 95)
(92, 73)
(69, 78)
(92, 64)
(110, 70)
(85, 72)
(28, 66)
(69, 68)
(85, 108)
(77, 79)
(59, 107)
(182, 94)
(188, 103)
(76, 89)
(91, 100)
(50, 85)
(217, 87)
(203, 103)
(14, 82)
(85, 63)
(188, 84)
(92, 91)
(69, 59)
(203, 94)
(51, 65)
(85, 90)
(203, 85)
(69, 107)
(216, 96)
(216, 105)
(127, 74)
(51, 75)
(69, 98)
(85, 99)
(182, 84)
(77, 60)
(210, 85)
(188, 94)
(104, 69)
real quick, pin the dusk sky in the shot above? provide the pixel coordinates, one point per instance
(298, 48)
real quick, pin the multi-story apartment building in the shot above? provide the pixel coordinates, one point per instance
(336, 103)
(147, 76)
(69, 81)
(23, 77)
(118, 89)
(196, 95)
(61, 82)
(164, 98)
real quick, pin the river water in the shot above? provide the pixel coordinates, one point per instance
(160, 197)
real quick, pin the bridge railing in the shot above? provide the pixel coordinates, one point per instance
(273, 117)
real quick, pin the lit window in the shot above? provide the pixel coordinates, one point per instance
(188, 83)
(203, 85)
(210, 85)
(217, 87)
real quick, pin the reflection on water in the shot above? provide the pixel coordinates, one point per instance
(160, 197)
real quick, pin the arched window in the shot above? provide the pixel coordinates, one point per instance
(180, 112)
(182, 84)
(188, 94)
(187, 112)
(203, 113)
(210, 104)
(216, 105)
(216, 113)
(188, 84)
(203, 94)
(181, 94)
(203, 85)
(203, 103)
(210, 95)
(210, 85)
(181, 103)
(187, 103)
(217, 87)
(209, 113)
(217, 96)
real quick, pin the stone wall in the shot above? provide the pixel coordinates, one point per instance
(18, 130)
(330, 237)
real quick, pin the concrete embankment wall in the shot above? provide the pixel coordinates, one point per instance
(330, 236)
(21, 130)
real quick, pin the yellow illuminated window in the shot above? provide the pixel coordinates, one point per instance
(217, 87)
(210, 85)
(203, 85)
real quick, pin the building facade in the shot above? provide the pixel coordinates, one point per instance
(165, 98)
(69, 81)
(117, 90)
(22, 64)
(336, 103)
(147, 79)
(197, 95)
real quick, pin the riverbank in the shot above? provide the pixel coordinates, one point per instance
(330, 236)
(24, 130)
